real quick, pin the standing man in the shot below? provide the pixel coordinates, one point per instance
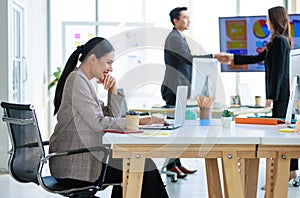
(178, 60)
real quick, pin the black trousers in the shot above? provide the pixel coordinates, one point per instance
(152, 183)
(173, 162)
(279, 111)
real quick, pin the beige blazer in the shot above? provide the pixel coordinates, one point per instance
(81, 119)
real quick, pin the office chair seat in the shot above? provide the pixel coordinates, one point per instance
(52, 184)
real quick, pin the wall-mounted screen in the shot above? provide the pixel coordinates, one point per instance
(249, 35)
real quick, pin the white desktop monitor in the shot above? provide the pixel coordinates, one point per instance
(206, 80)
(294, 85)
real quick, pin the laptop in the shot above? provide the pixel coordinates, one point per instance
(124, 107)
(180, 107)
(246, 97)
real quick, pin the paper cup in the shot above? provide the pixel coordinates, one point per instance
(132, 122)
(258, 100)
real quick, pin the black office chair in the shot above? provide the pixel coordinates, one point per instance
(27, 156)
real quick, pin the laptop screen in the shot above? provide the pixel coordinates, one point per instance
(124, 108)
(180, 106)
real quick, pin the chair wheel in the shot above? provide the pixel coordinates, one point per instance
(173, 179)
(296, 182)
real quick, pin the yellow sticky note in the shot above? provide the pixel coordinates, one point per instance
(164, 133)
(288, 130)
(156, 133)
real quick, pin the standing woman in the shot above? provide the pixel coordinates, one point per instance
(82, 117)
(276, 57)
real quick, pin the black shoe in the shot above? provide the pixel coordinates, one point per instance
(186, 171)
(178, 172)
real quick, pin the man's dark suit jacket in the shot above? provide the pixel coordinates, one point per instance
(178, 60)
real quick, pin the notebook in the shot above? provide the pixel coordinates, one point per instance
(180, 107)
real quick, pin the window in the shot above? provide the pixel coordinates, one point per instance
(204, 29)
(19, 63)
(258, 7)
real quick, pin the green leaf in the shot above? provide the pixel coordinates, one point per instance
(226, 113)
(57, 73)
(56, 76)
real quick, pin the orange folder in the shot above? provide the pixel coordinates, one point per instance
(264, 121)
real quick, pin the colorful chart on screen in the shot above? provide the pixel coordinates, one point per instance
(260, 29)
(249, 35)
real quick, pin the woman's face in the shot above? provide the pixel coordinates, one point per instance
(103, 66)
(269, 24)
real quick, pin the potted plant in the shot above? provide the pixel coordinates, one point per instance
(56, 76)
(226, 118)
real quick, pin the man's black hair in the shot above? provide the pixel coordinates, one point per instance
(175, 13)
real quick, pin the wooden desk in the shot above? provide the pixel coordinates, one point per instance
(236, 146)
(216, 113)
(278, 148)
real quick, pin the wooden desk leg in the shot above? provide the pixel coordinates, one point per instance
(213, 178)
(135, 175)
(278, 176)
(243, 164)
(224, 181)
(251, 177)
(232, 175)
(126, 163)
(270, 173)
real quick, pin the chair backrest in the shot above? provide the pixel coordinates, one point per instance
(27, 148)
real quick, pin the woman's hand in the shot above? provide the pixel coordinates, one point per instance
(109, 84)
(225, 58)
(153, 120)
(269, 103)
(297, 126)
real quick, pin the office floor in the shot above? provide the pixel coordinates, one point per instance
(192, 186)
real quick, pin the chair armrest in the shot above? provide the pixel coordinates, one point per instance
(105, 150)
(91, 149)
(30, 145)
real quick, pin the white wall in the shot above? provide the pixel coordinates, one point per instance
(36, 54)
(3, 82)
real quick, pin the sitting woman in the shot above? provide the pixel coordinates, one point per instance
(82, 117)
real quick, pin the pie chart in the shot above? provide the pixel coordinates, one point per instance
(295, 28)
(260, 29)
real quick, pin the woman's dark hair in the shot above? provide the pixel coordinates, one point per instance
(98, 46)
(279, 20)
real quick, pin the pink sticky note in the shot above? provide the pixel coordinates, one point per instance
(77, 35)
